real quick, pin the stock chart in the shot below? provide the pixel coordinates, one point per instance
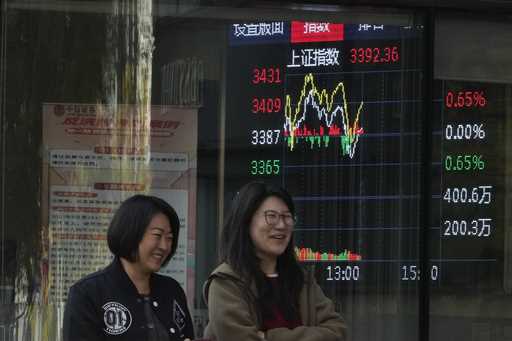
(333, 113)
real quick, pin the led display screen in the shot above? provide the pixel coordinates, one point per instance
(333, 112)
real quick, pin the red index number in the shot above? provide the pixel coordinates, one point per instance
(266, 105)
(266, 75)
(374, 55)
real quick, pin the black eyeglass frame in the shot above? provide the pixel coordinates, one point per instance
(285, 217)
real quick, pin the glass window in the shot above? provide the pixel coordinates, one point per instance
(470, 243)
(190, 100)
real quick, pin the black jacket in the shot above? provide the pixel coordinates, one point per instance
(106, 306)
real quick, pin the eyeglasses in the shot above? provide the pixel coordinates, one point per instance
(272, 218)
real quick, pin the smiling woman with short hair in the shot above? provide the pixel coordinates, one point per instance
(127, 300)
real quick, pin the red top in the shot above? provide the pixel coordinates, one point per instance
(274, 317)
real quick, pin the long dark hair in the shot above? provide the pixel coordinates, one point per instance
(237, 248)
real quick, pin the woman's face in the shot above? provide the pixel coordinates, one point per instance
(156, 244)
(271, 228)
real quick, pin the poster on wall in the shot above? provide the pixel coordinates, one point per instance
(95, 157)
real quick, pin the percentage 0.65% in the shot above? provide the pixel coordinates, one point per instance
(464, 163)
(465, 99)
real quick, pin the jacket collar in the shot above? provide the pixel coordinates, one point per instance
(123, 280)
(225, 271)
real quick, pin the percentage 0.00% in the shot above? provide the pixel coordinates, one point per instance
(464, 132)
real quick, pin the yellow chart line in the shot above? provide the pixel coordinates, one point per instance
(323, 98)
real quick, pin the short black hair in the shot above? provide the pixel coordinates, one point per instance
(130, 221)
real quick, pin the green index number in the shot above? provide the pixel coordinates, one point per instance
(265, 167)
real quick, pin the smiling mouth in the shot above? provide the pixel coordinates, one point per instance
(158, 256)
(278, 236)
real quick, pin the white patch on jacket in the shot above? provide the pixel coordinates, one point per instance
(117, 318)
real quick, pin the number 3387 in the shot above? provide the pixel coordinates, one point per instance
(265, 136)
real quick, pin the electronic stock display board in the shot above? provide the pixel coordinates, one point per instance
(471, 188)
(334, 112)
(469, 244)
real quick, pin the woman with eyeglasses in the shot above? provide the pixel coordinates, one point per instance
(260, 292)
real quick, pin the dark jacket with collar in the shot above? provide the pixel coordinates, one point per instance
(105, 305)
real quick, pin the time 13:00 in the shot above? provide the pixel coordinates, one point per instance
(342, 273)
